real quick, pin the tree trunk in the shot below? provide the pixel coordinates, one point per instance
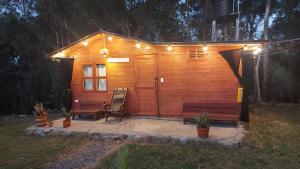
(188, 20)
(257, 81)
(266, 56)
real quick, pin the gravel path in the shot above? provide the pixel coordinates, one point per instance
(85, 156)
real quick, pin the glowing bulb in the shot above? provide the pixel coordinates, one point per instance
(138, 45)
(257, 51)
(85, 43)
(246, 47)
(104, 52)
(169, 48)
(109, 38)
(61, 54)
(205, 48)
(147, 47)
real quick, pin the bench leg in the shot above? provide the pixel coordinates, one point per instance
(95, 116)
(106, 114)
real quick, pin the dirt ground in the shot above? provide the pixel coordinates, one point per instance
(84, 156)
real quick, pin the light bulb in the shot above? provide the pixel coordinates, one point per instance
(85, 43)
(138, 45)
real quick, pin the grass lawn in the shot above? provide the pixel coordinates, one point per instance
(273, 141)
(18, 150)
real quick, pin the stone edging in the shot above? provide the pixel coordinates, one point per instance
(138, 138)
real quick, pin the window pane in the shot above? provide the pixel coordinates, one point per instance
(88, 84)
(102, 85)
(101, 70)
(88, 71)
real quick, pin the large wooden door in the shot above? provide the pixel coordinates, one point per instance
(146, 85)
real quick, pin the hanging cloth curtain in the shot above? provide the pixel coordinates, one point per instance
(233, 58)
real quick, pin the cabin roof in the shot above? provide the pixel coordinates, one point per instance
(200, 43)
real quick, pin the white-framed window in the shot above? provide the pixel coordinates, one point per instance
(101, 77)
(88, 84)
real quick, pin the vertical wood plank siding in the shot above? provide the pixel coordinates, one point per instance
(208, 79)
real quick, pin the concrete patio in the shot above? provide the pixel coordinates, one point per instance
(139, 129)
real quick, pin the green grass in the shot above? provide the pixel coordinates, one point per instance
(273, 141)
(17, 150)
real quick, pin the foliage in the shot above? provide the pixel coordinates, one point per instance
(121, 162)
(39, 109)
(281, 85)
(57, 89)
(67, 114)
(202, 121)
(31, 29)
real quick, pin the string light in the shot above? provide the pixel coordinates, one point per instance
(85, 43)
(109, 38)
(62, 54)
(246, 47)
(169, 48)
(147, 47)
(138, 45)
(257, 50)
(205, 48)
(59, 55)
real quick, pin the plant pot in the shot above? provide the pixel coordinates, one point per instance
(41, 120)
(202, 132)
(50, 124)
(67, 123)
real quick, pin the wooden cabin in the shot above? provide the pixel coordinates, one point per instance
(163, 79)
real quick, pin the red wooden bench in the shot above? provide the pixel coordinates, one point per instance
(88, 107)
(215, 111)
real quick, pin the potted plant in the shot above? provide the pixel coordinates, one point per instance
(41, 115)
(50, 124)
(202, 125)
(67, 115)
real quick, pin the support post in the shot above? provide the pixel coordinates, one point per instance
(213, 30)
(246, 86)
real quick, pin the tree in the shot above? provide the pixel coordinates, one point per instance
(266, 56)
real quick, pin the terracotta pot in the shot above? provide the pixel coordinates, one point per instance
(42, 120)
(202, 132)
(67, 123)
(50, 124)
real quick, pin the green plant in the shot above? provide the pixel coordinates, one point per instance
(202, 121)
(121, 161)
(39, 109)
(67, 114)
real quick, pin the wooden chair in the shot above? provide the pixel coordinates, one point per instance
(116, 105)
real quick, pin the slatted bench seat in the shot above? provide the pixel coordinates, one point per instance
(88, 107)
(215, 111)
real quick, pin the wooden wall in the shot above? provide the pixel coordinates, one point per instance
(118, 74)
(185, 80)
(205, 80)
